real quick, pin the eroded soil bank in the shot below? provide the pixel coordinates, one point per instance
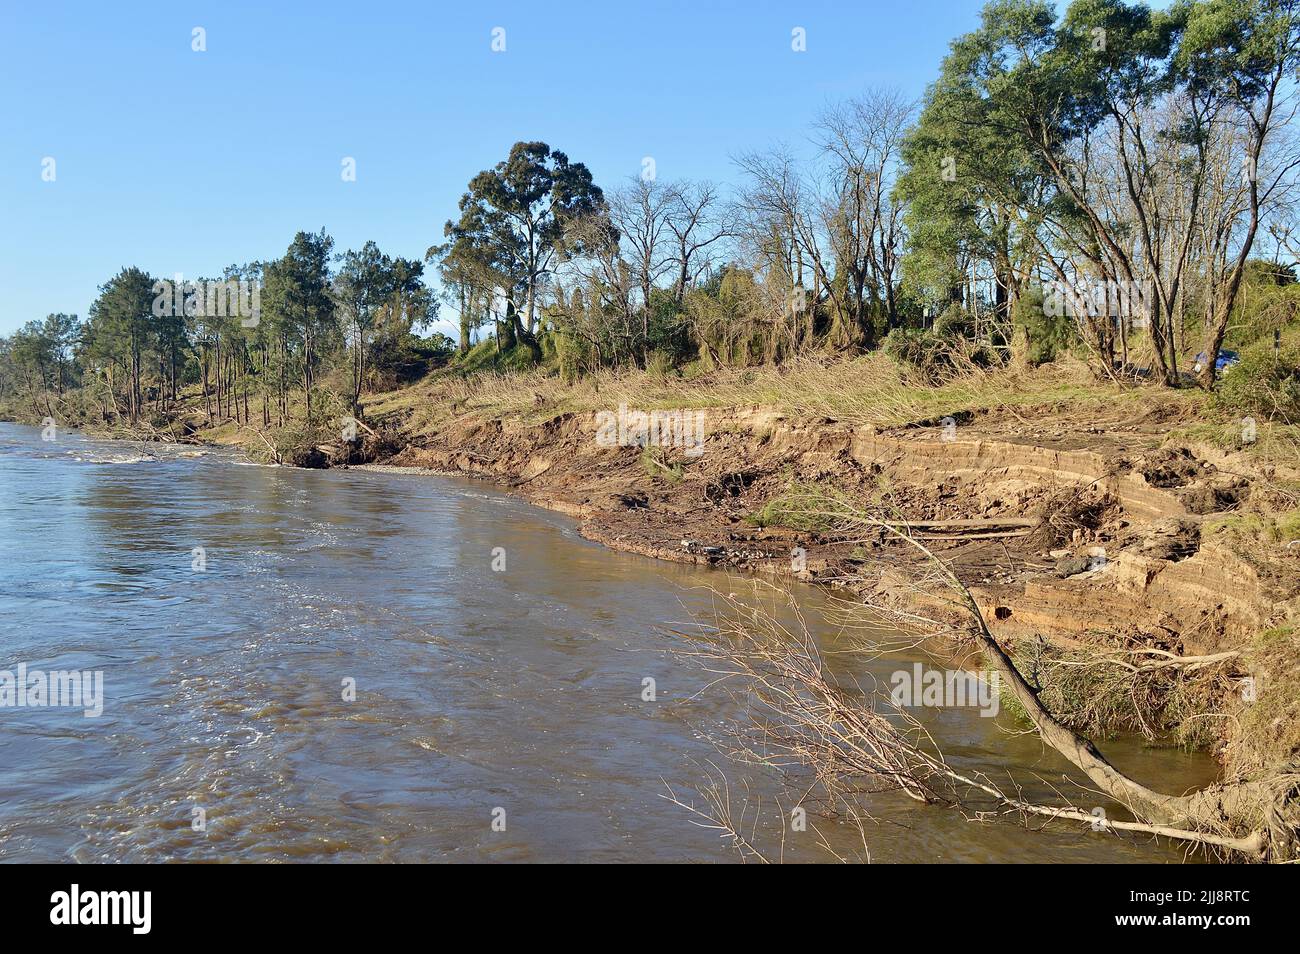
(1085, 540)
(1144, 580)
(1123, 518)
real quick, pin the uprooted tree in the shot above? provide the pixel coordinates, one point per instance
(802, 716)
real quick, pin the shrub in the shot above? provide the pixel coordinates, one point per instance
(937, 355)
(955, 322)
(655, 467)
(660, 364)
(921, 349)
(1048, 335)
(809, 507)
(1262, 385)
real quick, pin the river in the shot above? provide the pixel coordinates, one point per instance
(498, 711)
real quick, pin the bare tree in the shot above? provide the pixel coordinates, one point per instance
(641, 212)
(785, 216)
(862, 139)
(1255, 116)
(700, 223)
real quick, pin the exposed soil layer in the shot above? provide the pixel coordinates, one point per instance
(1060, 530)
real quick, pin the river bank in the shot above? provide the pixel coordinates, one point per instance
(1095, 537)
(1117, 544)
(481, 691)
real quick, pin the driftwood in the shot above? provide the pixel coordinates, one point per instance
(996, 535)
(275, 454)
(988, 523)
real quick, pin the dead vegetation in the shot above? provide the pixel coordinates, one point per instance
(870, 390)
(1162, 696)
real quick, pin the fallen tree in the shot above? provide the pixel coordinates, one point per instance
(809, 720)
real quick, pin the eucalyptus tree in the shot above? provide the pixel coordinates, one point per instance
(517, 220)
(1238, 56)
(835, 220)
(991, 174)
(624, 298)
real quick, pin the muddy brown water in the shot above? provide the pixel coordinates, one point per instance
(480, 694)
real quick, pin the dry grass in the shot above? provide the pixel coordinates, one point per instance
(1274, 442)
(1266, 734)
(1158, 695)
(868, 390)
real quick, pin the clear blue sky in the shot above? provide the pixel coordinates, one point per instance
(178, 161)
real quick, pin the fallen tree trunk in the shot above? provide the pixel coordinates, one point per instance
(1240, 816)
(1258, 818)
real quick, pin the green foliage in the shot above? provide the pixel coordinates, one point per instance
(296, 444)
(1262, 385)
(668, 333)
(40, 354)
(1098, 697)
(1264, 736)
(660, 364)
(144, 342)
(1251, 526)
(804, 506)
(385, 302)
(729, 318)
(955, 322)
(656, 467)
(1048, 336)
(122, 331)
(516, 220)
(920, 349)
(989, 183)
(486, 356)
(965, 168)
(1269, 301)
(939, 353)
